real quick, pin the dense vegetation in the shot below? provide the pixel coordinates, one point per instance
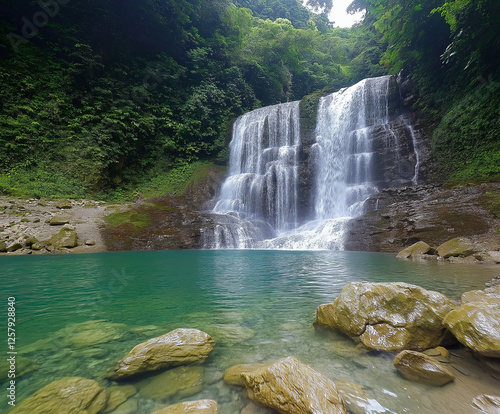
(107, 98)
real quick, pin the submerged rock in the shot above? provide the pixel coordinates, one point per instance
(388, 316)
(118, 395)
(417, 251)
(181, 346)
(488, 404)
(290, 386)
(68, 395)
(416, 366)
(191, 407)
(180, 382)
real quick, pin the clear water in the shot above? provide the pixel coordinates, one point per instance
(258, 305)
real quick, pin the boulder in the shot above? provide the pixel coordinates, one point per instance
(92, 333)
(66, 237)
(73, 395)
(58, 221)
(389, 316)
(63, 204)
(416, 366)
(191, 407)
(3, 247)
(477, 326)
(459, 247)
(233, 375)
(491, 294)
(15, 245)
(416, 251)
(488, 404)
(289, 386)
(180, 382)
(181, 346)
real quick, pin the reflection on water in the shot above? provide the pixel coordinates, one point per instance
(258, 305)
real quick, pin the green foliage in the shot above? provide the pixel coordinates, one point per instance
(493, 201)
(466, 141)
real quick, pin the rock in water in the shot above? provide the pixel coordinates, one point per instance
(191, 407)
(477, 326)
(419, 367)
(181, 346)
(416, 251)
(68, 395)
(459, 247)
(233, 375)
(389, 316)
(488, 404)
(290, 386)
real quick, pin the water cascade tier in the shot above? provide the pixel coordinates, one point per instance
(288, 191)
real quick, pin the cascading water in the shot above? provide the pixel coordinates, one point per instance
(356, 138)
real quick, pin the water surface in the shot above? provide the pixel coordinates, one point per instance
(258, 305)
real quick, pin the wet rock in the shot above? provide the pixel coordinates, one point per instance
(233, 375)
(416, 366)
(118, 395)
(253, 408)
(416, 251)
(23, 366)
(230, 334)
(180, 382)
(181, 346)
(91, 333)
(290, 386)
(458, 247)
(477, 326)
(354, 396)
(191, 407)
(131, 406)
(68, 395)
(489, 294)
(66, 237)
(488, 404)
(58, 221)
(388, 316)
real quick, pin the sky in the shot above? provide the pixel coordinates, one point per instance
(339, 15)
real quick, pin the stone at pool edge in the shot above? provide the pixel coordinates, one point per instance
(417, 251)
(418, 367)
(191, 407)
(66, 237)
(232, 375)
(389, 316)
(73, 395)
(178, 347)
(458, 247)
(305, 390)
(487, 404)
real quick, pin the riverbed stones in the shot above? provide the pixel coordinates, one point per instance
(91, 333)
(181, 382)
(118, 395)
(487, 404)
(477, 326)
(388, 316)
(58, 221)
(73, 395)
(290, 386)
(178, 347)
(418, 250)
(191, 407)
(418, 367)
(232, 375)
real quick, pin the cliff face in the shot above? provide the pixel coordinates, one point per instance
(397, 218)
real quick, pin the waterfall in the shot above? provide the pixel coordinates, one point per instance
(361, 146)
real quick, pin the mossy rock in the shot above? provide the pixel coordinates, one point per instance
(66, 237)
(63, 204)
(418, 367)
(416, 251)
(58, 221)
(459, 247)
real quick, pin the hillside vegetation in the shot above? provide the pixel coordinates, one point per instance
(106, 99)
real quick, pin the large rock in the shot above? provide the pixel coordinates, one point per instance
(68, 395)
(389, 316)
(416, 366)
(181, 346)
(66, 237)
(290, 386)
(477, 326)
(459, 247)
(233, 375)
(417, 251)
(191, 407)
(487, 404)
(58, 221)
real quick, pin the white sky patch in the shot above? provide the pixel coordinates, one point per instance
(340, 17)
